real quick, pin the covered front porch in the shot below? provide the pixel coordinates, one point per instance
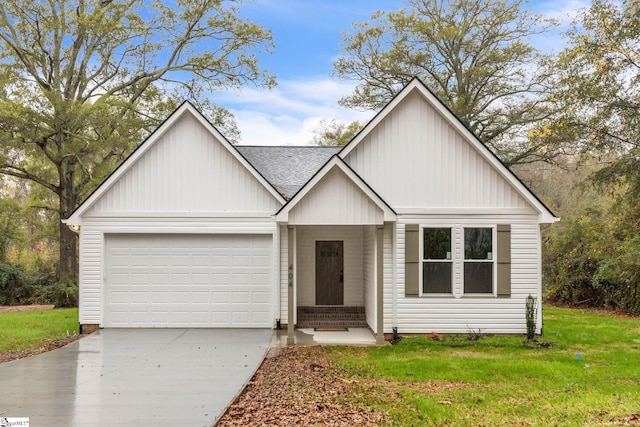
(335, 228)
(335, 279)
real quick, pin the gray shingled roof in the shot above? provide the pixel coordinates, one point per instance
(287, 168)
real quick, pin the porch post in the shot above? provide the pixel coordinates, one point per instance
(380, 284)
(291, 279)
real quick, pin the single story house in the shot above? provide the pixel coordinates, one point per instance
(413, 225)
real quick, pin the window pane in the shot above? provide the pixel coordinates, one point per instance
(477, 243)
(437, 243)
(436, 278)
(478, 277)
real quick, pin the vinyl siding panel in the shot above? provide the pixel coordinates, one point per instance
(391, 284)
(284, 274)
(91, 277)
(369, 276)
(415, 145)
(335, 200)
(186, 170)
(459, 314)
(353, 262)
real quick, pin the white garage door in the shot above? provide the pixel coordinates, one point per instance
(188, 281)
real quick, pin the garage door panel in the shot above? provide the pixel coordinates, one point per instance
(188, 281)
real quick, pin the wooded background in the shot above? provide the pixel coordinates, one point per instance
(83, 82)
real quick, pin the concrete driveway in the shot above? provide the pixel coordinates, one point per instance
(134, 377)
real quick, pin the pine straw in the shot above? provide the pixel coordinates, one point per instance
(300, 386)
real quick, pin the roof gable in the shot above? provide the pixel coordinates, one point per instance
(336, 195)
(418, 156)
(186, 165)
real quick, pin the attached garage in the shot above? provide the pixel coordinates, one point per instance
(188, 280)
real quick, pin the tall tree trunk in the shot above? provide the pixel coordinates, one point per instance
(68, 261)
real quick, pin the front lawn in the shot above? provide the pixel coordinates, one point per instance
(591, 376)
(33, 329)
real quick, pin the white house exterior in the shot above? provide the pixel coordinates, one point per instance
(415, 221)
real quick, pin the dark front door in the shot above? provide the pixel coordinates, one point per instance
(329, 273)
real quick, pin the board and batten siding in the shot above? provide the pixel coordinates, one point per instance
(335, 200)
(414, 159)
(92, 248)
(448, 314)
(353, 258)
(186, 170)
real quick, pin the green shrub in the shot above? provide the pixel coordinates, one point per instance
(531, 314)
(15, 285)
(60, 294)
(18, 287)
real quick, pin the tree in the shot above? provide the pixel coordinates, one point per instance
(596, 258)
(84, 81)
(475, 56)
(332, 132)
(598, 86)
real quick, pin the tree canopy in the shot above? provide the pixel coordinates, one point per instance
(476, 56)
(84, 81)
(335, 132)
(594, 257)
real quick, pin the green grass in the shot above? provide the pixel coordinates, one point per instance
(32, 329)
(500, 381)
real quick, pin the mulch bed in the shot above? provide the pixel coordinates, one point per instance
(300, 386)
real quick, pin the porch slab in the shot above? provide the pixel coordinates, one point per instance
(310, 337)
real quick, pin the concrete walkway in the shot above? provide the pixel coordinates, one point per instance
(310, 337)
(134, 377)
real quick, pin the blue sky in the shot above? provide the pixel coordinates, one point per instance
(307, 36)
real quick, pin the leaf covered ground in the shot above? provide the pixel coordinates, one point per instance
(301, 386)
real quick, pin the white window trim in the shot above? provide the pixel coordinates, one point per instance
(421, 293)
(494, 284)
(458, 261)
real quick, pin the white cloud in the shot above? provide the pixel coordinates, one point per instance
(562, 11)
(288, 114)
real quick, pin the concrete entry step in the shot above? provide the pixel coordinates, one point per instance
(331, 317)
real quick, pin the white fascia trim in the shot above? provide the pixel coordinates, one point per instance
(388, 214)
(185, 108)
(545, 215)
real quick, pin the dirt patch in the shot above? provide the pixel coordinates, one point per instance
(19, 308)
(8, 356)
(300, 386)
